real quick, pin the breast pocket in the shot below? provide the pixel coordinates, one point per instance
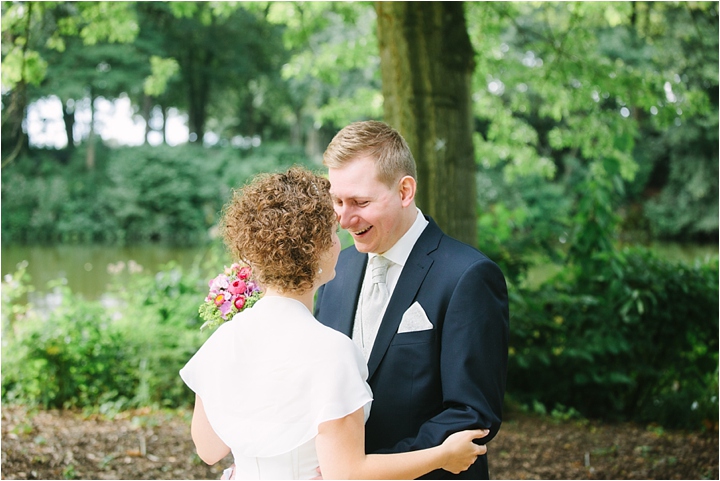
(417, 337)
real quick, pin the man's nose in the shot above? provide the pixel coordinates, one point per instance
(344, 215)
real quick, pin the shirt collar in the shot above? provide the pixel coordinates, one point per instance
(400, 252)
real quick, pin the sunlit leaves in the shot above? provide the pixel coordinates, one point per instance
(364, 102)
(111, 21)
(18, 66)
(332, 47)
(205, 11)
(334, 70)
(577, 66)
(162, 70)
(24, 25)
(102, 21)
(20, 62)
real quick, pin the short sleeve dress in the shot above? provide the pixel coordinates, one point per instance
(268, 378)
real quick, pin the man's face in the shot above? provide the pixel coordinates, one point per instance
(370, 210)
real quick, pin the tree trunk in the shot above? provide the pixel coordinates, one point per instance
(146, 114)
(199, 92)
(68, 107)
(90, 154)
(427, 61)
(164, 111)
(296, 127)
(13, 116)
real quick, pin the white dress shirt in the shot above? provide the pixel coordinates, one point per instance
(398, 254)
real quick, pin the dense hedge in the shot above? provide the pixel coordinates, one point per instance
(134, 195)
(636, 339)
(615, 334)
(86, 354)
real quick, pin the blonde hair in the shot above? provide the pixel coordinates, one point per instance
(281, 224)
(376, 140)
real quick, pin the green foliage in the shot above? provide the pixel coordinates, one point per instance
(24, 25)
(15, 289)
(75, 357)
(166, 194)
(165, 306)
(138, 194)
(85, 354)
(687, 206)
(617, 334)
(162, 70)
(333, 74)
(101, 21)
(598, 82)
(635, 338)
(521, 224)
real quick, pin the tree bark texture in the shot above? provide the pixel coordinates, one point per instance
(198, 83)
(90, 154)
(427, 61)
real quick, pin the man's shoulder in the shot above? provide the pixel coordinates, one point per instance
(448, 247)
(459, 249)
(351, 256)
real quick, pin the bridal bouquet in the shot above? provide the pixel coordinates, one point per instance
(231, 292)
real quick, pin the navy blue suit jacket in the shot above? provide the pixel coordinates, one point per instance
(429, 384)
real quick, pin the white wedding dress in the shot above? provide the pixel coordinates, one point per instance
(268, 379)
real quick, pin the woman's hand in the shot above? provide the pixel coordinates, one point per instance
(461, 452)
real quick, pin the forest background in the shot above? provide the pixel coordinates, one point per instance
(573, 136)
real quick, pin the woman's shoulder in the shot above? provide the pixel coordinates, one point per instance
(339, 350)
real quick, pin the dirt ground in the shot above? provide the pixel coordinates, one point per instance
(156, 445)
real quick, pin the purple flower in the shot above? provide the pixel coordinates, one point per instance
(225, 308)
(221, 282)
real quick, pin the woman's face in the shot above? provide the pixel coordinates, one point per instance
(329, 260)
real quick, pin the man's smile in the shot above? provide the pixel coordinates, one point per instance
(361, 232)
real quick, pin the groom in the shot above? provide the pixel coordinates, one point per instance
(429, 312)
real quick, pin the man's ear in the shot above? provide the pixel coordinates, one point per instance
(407, 187)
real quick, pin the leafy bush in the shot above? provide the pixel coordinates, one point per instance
(521, 223)
(85, 354)
(134, 195)
(635, 339)
(75, 357)
(161, 326)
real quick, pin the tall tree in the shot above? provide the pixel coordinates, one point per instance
(333, 75)
(427, 63)
(30, 28)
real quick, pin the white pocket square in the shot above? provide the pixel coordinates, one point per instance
(414, 320)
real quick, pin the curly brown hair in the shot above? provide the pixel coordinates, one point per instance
(281, 224)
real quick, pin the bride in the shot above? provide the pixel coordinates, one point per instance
(285, 394)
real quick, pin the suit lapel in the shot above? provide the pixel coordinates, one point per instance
(351, 283)
(411, 278)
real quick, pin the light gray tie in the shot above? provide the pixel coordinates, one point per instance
(374, 300)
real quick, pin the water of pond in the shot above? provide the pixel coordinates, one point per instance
(85, 268)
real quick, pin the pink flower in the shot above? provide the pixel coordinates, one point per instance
(219, 283)
(230, 292)
(219, 300)
(244, 273)
(240, 302)
(237, 287)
